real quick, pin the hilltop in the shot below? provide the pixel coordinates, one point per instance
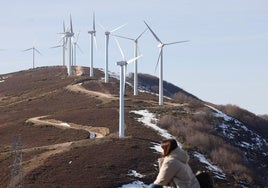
(68, 128)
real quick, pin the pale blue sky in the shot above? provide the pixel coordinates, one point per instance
(225, 62)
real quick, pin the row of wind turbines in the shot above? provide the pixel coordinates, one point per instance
(69, 44)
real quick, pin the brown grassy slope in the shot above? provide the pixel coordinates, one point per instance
(42, 92)
(101, 162)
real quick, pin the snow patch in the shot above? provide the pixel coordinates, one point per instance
(149, 119)
(156, 147)
(3, 78)
(241, 136)
(135, 174)
(216, 170)
(135, 184)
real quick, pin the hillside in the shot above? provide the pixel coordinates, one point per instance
(67, 131)
(264, 117)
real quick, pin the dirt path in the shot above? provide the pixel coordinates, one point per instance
(50, 150)
(102, 96)
(40, 121)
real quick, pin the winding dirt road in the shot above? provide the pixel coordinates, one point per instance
(50, 150)
(40, 121)
(105, 97)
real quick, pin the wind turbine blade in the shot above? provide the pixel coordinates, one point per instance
(63, 27)
(155, 36)
(61, 40)
(118, 28)
(62, 33)
(158, 60)
(141, 33)
(94, 29)
(34, 42)
(95, 41)
(177, 42)
(71, 24)
(37, 51)
(77, 36)
(27, 49)
(79, 48)
(132, 60)
(65, 41)
(56, 46)
(119, 47)
(122, 37)
(102, 27)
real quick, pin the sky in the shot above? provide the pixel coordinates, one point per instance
(224, 62)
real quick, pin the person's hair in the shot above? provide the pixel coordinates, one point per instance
(168, 145)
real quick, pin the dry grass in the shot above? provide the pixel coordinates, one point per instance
(100, 162)
(196, 133)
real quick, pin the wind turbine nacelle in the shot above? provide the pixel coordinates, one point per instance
(68, 34)
(121, 63)
(107, 33)
(91, 32)
(160, 45)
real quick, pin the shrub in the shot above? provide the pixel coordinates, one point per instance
(194, 132)
(257, 123)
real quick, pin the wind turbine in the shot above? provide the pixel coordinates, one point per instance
(34, 50)
(135, 40)
(122, 65)
(75, 44)
(107, 34)
(125, 66)
(92, 37)
(68, 35)
(160, 57)
(63, 45)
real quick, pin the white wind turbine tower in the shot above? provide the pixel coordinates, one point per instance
(160, 57)
(92, 37)
(107, 34)
(33, 50)
(122, 65)
(75, 44)
(63, 45)
(135, 40)
(68, 35)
